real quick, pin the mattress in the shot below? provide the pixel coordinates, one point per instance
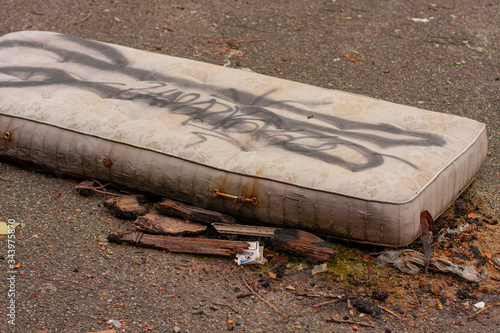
(265, 150)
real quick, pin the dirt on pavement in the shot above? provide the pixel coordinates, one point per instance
(437, 55)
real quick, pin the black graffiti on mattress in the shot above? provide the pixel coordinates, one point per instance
(224, 114)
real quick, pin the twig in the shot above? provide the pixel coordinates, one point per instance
(96, 189)
(340, 10)
(472, 74)
(369, 276)
(200, 311)
(99, 191)
(350, 308)
(480, 311)
(260, 297)
(83, 19)
(229, 306)
(355, 277)
(353, 58)
(391, 312)
(232, 40)
(332, 301)
(494, 265)
(465, 312)
(342, 321)
(242, 295)
(455, 305)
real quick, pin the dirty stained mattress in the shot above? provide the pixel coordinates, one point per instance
(270, 151)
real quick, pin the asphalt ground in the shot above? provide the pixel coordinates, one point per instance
(441, 56)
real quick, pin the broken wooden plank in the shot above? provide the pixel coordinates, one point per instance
(192, 213)
(157, 224)
(126, 207)
(181, 244)
(298, 242)
(247, 230)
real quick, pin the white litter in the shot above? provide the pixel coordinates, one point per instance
(479, 305)
(115, 323)
(319, 269)
(253, 255)
(421, 20)
(410, 264)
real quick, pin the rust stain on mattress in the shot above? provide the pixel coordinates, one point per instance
(107, 162)
(7, 136)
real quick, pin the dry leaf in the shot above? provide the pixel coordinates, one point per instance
(488, 255)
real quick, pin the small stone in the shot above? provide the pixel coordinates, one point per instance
(319, 269)
(48, 288)
(479, 305)
(116, 324)
(177, 329)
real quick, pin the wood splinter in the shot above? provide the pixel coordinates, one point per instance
(127, 207)
(192, 213)
(154, 223)
(83, 19)
(262, 299)
(298, 242)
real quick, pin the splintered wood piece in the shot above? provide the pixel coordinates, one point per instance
(240, 229)
(298, 242)
(155, 223)
(192, 213)
(181, 244)
(126, 207)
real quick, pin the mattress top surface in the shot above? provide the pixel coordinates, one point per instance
(230, 119)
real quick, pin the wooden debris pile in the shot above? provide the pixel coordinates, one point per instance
(177, 227)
